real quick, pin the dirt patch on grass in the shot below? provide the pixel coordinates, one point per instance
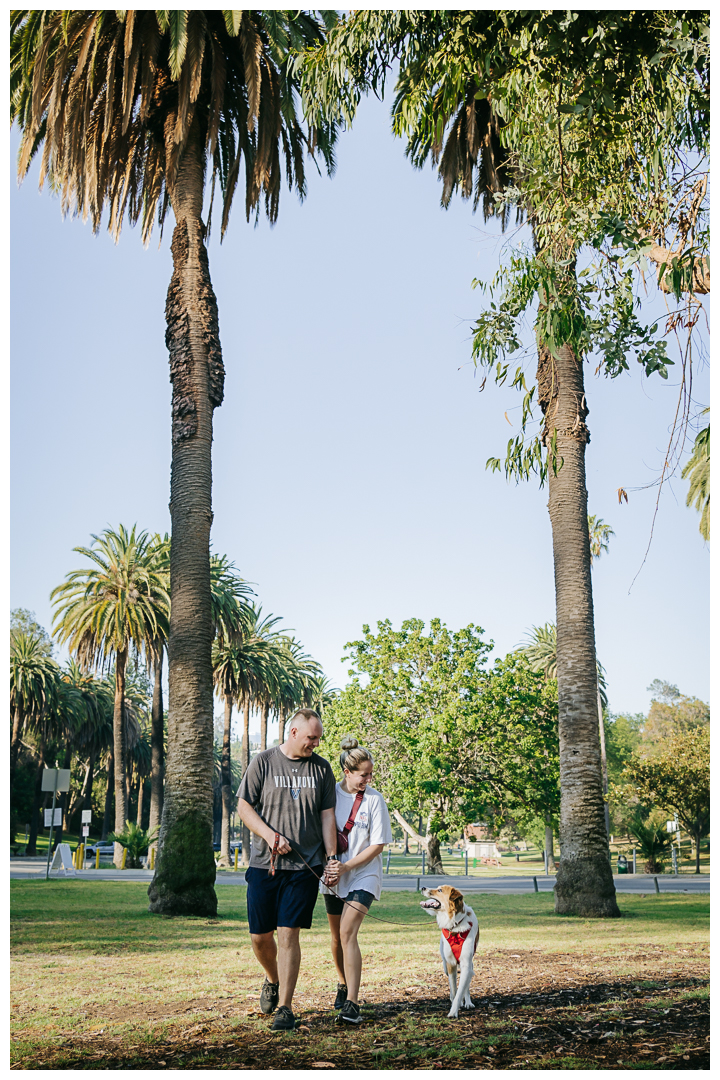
(532, 1011)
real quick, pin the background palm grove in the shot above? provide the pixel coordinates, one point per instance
(583, 137)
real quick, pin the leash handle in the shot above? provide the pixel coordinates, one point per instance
(273, 854)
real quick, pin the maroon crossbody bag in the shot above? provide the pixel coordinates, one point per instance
(342, 834)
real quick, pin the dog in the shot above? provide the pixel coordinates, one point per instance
(458, 941)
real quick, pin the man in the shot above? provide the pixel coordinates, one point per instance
(288, 790)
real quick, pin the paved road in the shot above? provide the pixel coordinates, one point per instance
(640, 883)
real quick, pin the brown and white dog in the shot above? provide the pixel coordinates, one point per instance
(458, 941)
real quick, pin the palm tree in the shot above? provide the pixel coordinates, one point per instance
(53, 730)
(83, 720)
(101, 612)
(322, 694)
(154, 653)
(133, 109)
(33, 685)
(541, 653)
(698, 469)
(229, 594)
(94, 738)
(600, 534)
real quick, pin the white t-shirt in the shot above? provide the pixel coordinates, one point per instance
(372, 826)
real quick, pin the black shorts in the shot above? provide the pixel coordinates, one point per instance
(334, 905)
(287, 899)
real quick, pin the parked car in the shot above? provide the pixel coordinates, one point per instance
(233, 845)
(106, 850)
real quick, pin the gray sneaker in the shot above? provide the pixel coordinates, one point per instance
(341, 996)
(284, 1020)
(269, 997)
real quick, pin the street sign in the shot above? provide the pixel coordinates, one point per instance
(49, 817)
(56, 780)
(86, 830)
(86, 817)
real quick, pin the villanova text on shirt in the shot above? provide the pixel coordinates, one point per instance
(294, 782)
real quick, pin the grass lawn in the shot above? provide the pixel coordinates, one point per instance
(531, 862)
(98, 982)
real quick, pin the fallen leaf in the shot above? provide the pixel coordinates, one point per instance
(304, 1028)
(323, 1065)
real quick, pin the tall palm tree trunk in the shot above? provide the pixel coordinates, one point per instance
(244, 762)
(157, 747)
(15, 740)
(37, 798)
(109, 788)
(603, 762)
(584, 881)
(64, 798)
(141, 788)
(226, 776)
(549, 843)
(83, 797)
(264, 727)
(119, 752)
(185, 872)
(281, 725)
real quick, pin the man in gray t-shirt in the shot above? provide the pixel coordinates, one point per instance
(287, 799)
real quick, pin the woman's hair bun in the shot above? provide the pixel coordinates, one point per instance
(349, 743)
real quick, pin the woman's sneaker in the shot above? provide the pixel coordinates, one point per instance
(269, 996)
(341, 996)
(284, 1020)
(350, 1013)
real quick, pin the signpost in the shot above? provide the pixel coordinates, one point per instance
(54, 780)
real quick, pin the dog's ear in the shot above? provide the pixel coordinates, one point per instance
(456, 898)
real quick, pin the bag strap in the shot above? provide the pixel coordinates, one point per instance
(356, 806)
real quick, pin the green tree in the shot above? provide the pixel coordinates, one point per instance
(581, 121)
(93, 739)
(678, 779)
(86, 700)
(53, 730)
(34, 677)
(698, 469)
(600, 534)
(416, 714)
(132, 109)
(136, 842)
(24, 621)
(451, 741)
(101, 612)
(671, 711)
(653, 840)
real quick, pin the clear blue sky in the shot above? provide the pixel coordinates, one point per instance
(349, 455)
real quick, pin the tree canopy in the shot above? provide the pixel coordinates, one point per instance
(452, 741)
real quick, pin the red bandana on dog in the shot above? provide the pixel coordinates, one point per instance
(456, 942)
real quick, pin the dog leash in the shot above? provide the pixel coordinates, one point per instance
(348, 903)
(274, 854)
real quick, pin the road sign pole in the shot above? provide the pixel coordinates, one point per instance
(52, 822)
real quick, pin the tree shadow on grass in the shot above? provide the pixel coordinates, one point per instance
(595, 1025)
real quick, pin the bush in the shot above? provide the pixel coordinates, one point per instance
(652, 840)
(136, 841)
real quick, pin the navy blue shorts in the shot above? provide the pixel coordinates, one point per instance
(287, 899)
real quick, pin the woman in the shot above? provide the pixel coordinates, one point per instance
(356, 875)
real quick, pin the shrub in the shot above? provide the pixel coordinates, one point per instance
(136, 841)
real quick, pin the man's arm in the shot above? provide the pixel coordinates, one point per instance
(329, 831)
(256, 824)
